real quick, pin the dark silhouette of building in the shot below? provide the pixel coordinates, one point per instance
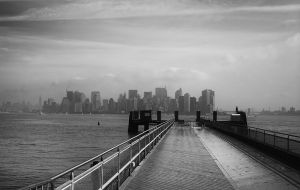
(193, 105)
(181, 104)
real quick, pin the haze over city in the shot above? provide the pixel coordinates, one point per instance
(247, 51)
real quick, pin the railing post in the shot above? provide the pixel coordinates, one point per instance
(288, 143)
(148, 143)
(139, 150)
(52, 185)
(264, 137)
(130, 158)
(118, 167)
(72, 180)
(102, 177)
(255, 134)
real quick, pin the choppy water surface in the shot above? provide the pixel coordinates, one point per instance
(34, 147)
(280, 123)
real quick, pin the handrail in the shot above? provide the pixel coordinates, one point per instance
(278, 140)
(256, 128)
(132, 141)
(273, 131)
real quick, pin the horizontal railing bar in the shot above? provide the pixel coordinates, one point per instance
(87, 172)
(109, 181)
(110, 158)
(131, 160)
(90, 170)
(259, 129)
(274, 132)
(125, 148)
(105, 152)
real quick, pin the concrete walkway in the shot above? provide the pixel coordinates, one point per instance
(179, 162)
(247, 167)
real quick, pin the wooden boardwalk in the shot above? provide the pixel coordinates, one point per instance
(179, 162)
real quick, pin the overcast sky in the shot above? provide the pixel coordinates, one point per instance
(248, 51)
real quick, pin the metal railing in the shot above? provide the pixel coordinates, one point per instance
(282, 141)
(109, 169)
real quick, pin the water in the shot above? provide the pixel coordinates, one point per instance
(289, 124)
(280, 123)
(34, 148)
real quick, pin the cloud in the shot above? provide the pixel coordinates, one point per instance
(130, 8)
(294, 40)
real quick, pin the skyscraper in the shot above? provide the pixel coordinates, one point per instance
(71, 98)
(193, 104)
(96, 101)
(187, 103)
(178, 93)
(208, 101)
(147, 99)
(105, 105)
(40, 103)
(181, 104)
(132, 94)
(122, 103)
(133, 100)
(161, 93)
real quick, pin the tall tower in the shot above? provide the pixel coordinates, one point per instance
(96, 101)
(178, 93)
(208, 100)
(40, 103)
(187, 103)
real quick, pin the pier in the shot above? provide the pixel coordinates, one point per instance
(178, 154)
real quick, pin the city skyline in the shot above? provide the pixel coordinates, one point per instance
(95, 102)
(247, 51)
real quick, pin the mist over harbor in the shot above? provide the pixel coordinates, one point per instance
(247, 51)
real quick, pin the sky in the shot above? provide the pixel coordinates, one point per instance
(247, 51)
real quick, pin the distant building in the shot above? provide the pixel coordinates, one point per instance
(147, 100)
(133, 104)
(193, 104)
(208, 101)
(78, 107)
(95, 101)
(50, 106)
(111, 106)
(122, 103)
(181, 104)
(65, 105)
(133, 100)
(86, 107)
(77, 97)
(161, 93)
(178, 93)
(187, 103)
(172, 105)
(71, 98)
(40, 103)
(105, 105)
(132, 94)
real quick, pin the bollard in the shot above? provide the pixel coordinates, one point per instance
(198, 114)
(158, 114)
(136, 115)
(215, 116)
(176, 115)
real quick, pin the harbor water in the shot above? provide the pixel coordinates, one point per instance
(35, 147)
